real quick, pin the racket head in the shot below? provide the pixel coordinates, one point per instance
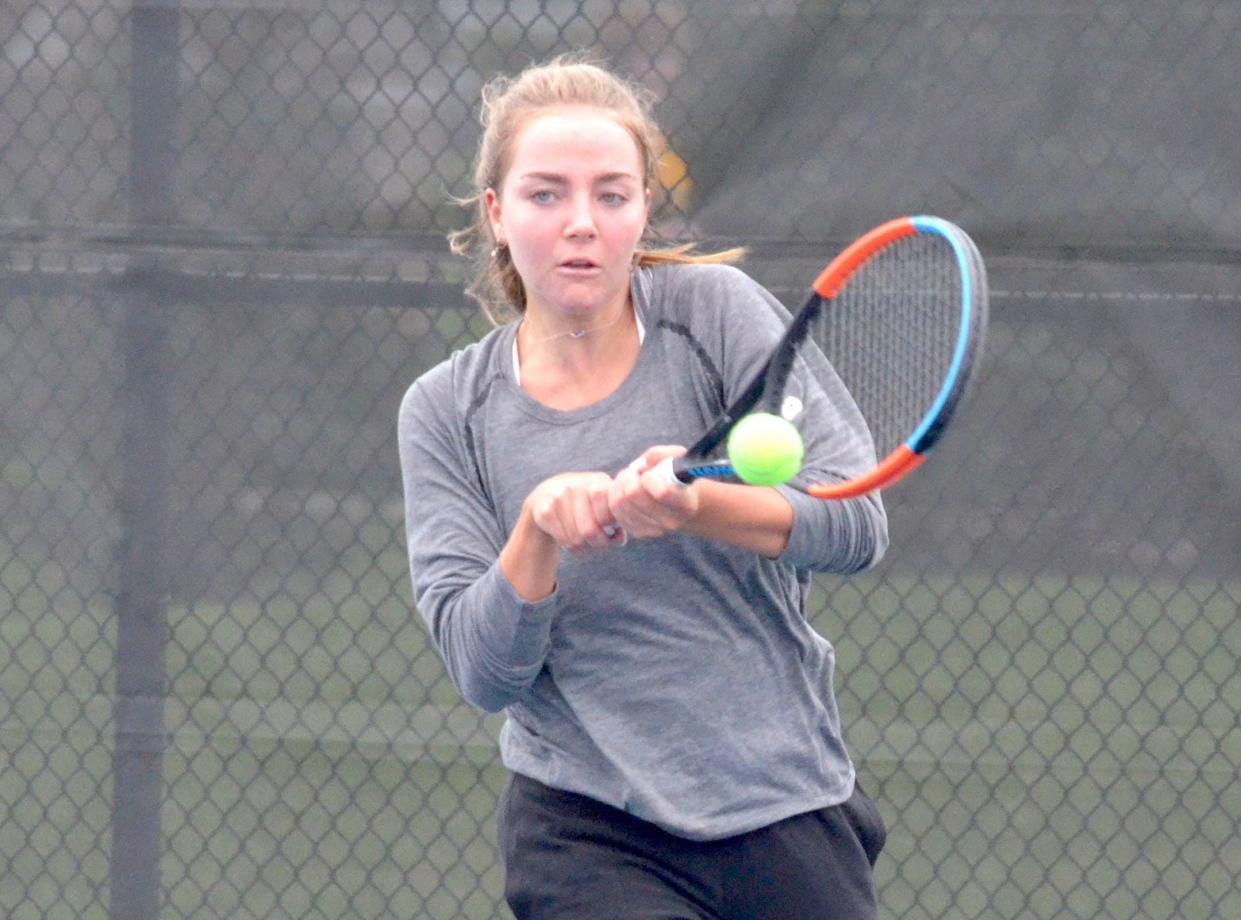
(889, 340)
(903, 325)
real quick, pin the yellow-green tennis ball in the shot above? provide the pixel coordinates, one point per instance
(764, 449)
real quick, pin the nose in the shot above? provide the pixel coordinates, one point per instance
(581, 223)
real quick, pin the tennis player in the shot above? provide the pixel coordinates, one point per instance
(671, 732)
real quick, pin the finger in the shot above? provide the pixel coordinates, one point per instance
(590, 510)
(660, 452)
(642, 516)
(622, 487)
(626, 499)
(663, 488)
(668, 501)
(659, 459)
(601, 504)
(665, 471)
(561, 519)
(589, 530)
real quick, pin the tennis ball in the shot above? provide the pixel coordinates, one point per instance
(764, 449)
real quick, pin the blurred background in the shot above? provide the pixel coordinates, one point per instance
(222, 261)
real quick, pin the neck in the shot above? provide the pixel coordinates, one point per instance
(533, 335)
(576, 370)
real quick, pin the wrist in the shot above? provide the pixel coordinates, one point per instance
(530, 557)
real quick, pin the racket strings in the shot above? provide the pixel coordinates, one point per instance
(891, 333)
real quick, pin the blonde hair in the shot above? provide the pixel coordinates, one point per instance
(508, 104)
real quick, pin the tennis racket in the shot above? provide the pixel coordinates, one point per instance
(900, 315)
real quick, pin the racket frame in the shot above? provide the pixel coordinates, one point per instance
(768, 384)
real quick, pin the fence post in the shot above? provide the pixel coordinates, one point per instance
(142, 615)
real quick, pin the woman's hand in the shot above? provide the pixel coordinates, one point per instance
(573, 510)
(648, 504)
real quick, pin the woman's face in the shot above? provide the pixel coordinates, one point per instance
(571, 209)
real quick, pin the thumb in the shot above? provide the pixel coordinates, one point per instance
(653, 456)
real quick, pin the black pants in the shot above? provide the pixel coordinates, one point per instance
(568, 856)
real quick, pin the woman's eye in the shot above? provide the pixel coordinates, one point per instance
(612, 198)
(542, 196)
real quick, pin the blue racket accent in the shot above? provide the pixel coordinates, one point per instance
(710, 470)
(941, 228)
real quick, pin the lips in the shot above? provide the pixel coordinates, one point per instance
(578, 264)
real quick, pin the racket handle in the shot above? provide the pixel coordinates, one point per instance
(673, 469)
(685, 470)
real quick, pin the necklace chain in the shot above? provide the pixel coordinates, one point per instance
(577, 333)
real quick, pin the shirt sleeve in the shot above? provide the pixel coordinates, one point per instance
(492, 642)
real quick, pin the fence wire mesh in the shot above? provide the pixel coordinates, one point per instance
(222, 262)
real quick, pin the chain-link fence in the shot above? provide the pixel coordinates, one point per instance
(222, 263)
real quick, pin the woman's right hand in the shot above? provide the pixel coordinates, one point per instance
(573, 509)
(568, 510)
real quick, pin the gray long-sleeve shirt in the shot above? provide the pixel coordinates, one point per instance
(675, 678)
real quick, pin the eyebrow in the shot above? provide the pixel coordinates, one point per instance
(561, 180)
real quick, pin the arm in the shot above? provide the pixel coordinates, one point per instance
(489, 600)
(828, 536)
(493, 641)
(754, 518)
(529, 559)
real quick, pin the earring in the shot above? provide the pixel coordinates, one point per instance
(498, 248)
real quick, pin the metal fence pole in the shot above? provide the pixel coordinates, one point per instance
(142, 628)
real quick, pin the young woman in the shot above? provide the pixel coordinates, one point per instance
(672, 735)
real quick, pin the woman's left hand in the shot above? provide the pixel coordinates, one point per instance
(648, 504)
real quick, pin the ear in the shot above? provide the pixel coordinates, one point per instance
(491, 205)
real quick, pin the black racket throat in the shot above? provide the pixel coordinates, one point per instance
(763, 393)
